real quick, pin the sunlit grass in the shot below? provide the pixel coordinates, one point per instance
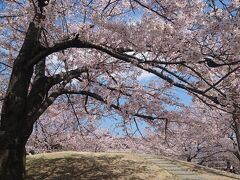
(75, 165)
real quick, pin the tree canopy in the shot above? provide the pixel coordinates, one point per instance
(95, 51)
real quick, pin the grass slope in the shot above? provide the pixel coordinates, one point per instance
(90, 166)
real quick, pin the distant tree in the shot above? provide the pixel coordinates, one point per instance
(196, 134)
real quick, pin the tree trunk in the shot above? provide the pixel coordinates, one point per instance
(236, 127)
(12, 148)
(13, 161)
(189, 159)
(15, 127)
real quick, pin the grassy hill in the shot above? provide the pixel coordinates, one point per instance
(100, 166)
(76, 165)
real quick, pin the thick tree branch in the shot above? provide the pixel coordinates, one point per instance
(55, 79)
(42, 85)
(118, 108)
(77, 43)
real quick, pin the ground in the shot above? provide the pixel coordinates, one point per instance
(97, 166)
(75, 165)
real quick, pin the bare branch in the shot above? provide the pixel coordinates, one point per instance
(6, 65)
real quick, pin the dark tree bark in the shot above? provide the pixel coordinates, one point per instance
(15, 127)
(236, 128)
(24, 103)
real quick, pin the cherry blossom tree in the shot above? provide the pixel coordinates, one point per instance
(197, 134)
(94, 52)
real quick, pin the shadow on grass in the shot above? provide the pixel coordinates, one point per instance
(89, 167)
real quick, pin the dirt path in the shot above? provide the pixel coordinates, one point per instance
(178, 170)
(189, 171)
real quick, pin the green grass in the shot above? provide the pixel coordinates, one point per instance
(90, 166)
(97, 166)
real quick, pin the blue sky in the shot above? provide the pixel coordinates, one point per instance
(110, 122)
